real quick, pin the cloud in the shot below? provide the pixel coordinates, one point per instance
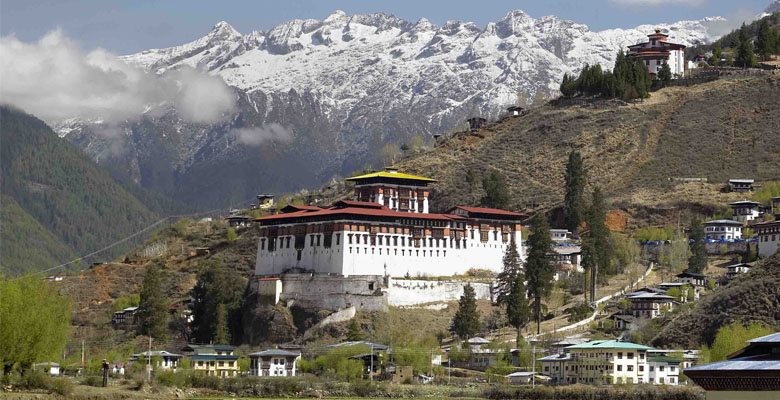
(692, 3)
(718, 28)
(55, 79)
(256, 136)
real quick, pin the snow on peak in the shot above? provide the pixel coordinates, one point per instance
(773, 7)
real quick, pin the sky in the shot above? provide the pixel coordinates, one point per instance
(125, 27)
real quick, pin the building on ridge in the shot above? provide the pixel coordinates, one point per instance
(658, 50)
(723, 229)
(768, 235)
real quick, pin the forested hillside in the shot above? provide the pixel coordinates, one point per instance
(55, 196)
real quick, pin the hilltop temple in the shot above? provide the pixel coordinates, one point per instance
(386, 231)
(658, 50)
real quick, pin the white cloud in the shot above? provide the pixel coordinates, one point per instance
(258, 135)
(55, 79)
(660, 2)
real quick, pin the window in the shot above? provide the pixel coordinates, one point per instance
(620, 367)
(641, 368)
(262, 244)
(620, 355)
(661, 368)
(311, 242)
(338, 239)
(630, 356)
(630, 368)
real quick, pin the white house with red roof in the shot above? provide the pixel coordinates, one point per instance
(658, 50)
(388, 232)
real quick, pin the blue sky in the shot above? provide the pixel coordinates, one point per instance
(124, 27)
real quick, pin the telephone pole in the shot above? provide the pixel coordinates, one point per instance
(149, 361)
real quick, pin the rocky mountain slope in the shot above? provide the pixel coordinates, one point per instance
(317, 98)
(718, 130)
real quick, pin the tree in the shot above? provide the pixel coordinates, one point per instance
(568, 88)
(355, 333)
(496, 191)
(466, 323)
(230, 234)
(574, 189)
(222, 332)
(717, 54)
(518, 312)
(34, 322)
(745, 56)
(471, 179)
(153, 307)
(731, 338)
(417, 143)
(665, 73)
(217, 286)
(539, 268)
(698, 248)
(512, 269)
(599, 239)
(765, 45)
(388, 153)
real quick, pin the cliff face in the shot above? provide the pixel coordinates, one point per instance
(750, 297)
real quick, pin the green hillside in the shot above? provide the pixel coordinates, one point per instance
(57, 185)
(24, 244)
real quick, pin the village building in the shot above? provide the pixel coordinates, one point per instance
(693, 279)
(775, 205)
(265, 201)
(723, 229)
(735, 269)
(371, 357)
(480, 357)
(476, 123)
(159, 359)
(650, 305)
(750, 373)
(560, 235)
(746, 210)
(624, 322)
(605, 362)
(239, 221)
(387, 232)
(657, 51)
(662, 369)
(768, 234)
(50, 368)
(525, 378)
(741, 185)
(273, 362)
(125, 318)
(515, 111)
(557, 367)
(212, 360)
(568, 255)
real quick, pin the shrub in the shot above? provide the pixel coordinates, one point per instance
(204, 381)
(92, 380)
(170, 378)
(61, 386)
(363, 388)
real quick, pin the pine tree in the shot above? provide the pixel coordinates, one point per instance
(575, 187)
(355, 333)
(539, 267)
(496, 191)
(588, 262)
(518, 313)
(665, 73)
(717, 54)
(221, 331)
(507, 277)
(745, 56)
(698, 248)
(466, 323)
(765, 45)
(598, 234)
(153, 307)
(216, 286)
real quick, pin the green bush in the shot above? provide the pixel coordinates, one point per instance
(171, 379)
(92, 380)
(363, 388)
(33, 380)
(61, 386)
(204, 381)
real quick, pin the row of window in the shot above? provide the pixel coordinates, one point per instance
(765, 238)
(425, 253)
(211, 363)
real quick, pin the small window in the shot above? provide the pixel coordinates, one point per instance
(370, 285)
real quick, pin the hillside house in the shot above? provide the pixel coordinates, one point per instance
(160, 359)
(746, 210)
(741, 185)
(650, 305)
(750, 373)
(662, 369)
(735, 269)
(723, 229)
(273, 362)
(768, 234)
(560, 235)
(265, 201)
(624, 322)
(239, 221)
(212, 360)
(476, 123)
(50, 368)
(693, 279)
(683, 287)
(125, 318)
(775, 205)
(514, 111)
(657, 51)
(557, 367)
(607, 362)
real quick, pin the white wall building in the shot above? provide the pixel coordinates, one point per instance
(273, 363)
(723, 229)
(768, 234)
(662, 370)
(160, 359)
(746, 210)
(370, 238)
(560, 235)
(658, 50)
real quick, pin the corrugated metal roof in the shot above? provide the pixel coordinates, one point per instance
(760, 362)
(275, 352)
(609, 344)
(773, 338)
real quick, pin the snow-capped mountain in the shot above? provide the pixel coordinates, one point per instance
(345, 86)
(772, 7)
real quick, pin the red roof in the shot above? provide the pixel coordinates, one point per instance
(485, 210)
(353, 203)
(302, 208)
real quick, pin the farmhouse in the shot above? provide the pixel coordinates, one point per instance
(650, 305)
(126, 317)
(746, 210)
(213, 360)
(657, 51)
(741, 185)
(273, 362)
(693, 279)
(723, 229)
(768, 234)
(736, 269)
(160, 359)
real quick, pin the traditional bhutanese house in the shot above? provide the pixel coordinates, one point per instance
(476, 123)
(560, 235)
(212, 360)
(160, 359)
(126, 317)
(239, 221)
(662, 369)
(723, 229)
(658, 50)
(515, 111)
(623, 322)
(700, 58)
(768, 234)
(735, 269)
(273, 362)
(741, 185)
(265, 201)
(556, 367)
(650, 305)
(750, 373)
(386, 232)
(775, 201)
(746, 210)
(691, 278)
